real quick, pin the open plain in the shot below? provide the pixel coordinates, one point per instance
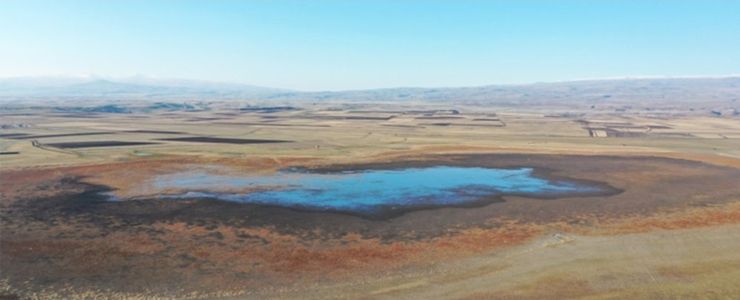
(81, 217)
(369, 149)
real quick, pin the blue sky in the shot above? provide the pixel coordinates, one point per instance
(329, 45)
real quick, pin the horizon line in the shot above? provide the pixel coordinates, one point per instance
(584, 79)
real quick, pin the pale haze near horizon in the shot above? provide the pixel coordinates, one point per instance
(337, 45)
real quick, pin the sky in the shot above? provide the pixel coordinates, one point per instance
(339, 45)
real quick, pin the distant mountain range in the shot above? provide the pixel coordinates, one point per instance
(725, 91)
(133, 88)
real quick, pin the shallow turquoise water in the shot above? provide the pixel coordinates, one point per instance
(370, 191)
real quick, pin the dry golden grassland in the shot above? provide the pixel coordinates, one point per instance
(672, 233)
(327, 134)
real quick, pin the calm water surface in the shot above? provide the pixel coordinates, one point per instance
(368, 191)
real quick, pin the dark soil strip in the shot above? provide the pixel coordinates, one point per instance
(205, 119)
(463, 124)
(268, 109)
(616, 133)
(16, 114)
(401, 125)
(155, 131)
(366, 118)
(481, 125)
(93, 144)
(12, 135)
(30, 137)
(9, 153)
(673, 134)
(269, 124)
(408, 112)
(83, 116)
(204, 139)
(438, 118)
(369, 118)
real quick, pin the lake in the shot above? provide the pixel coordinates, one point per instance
(369, 191)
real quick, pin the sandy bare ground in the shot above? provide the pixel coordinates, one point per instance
(689, 263)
